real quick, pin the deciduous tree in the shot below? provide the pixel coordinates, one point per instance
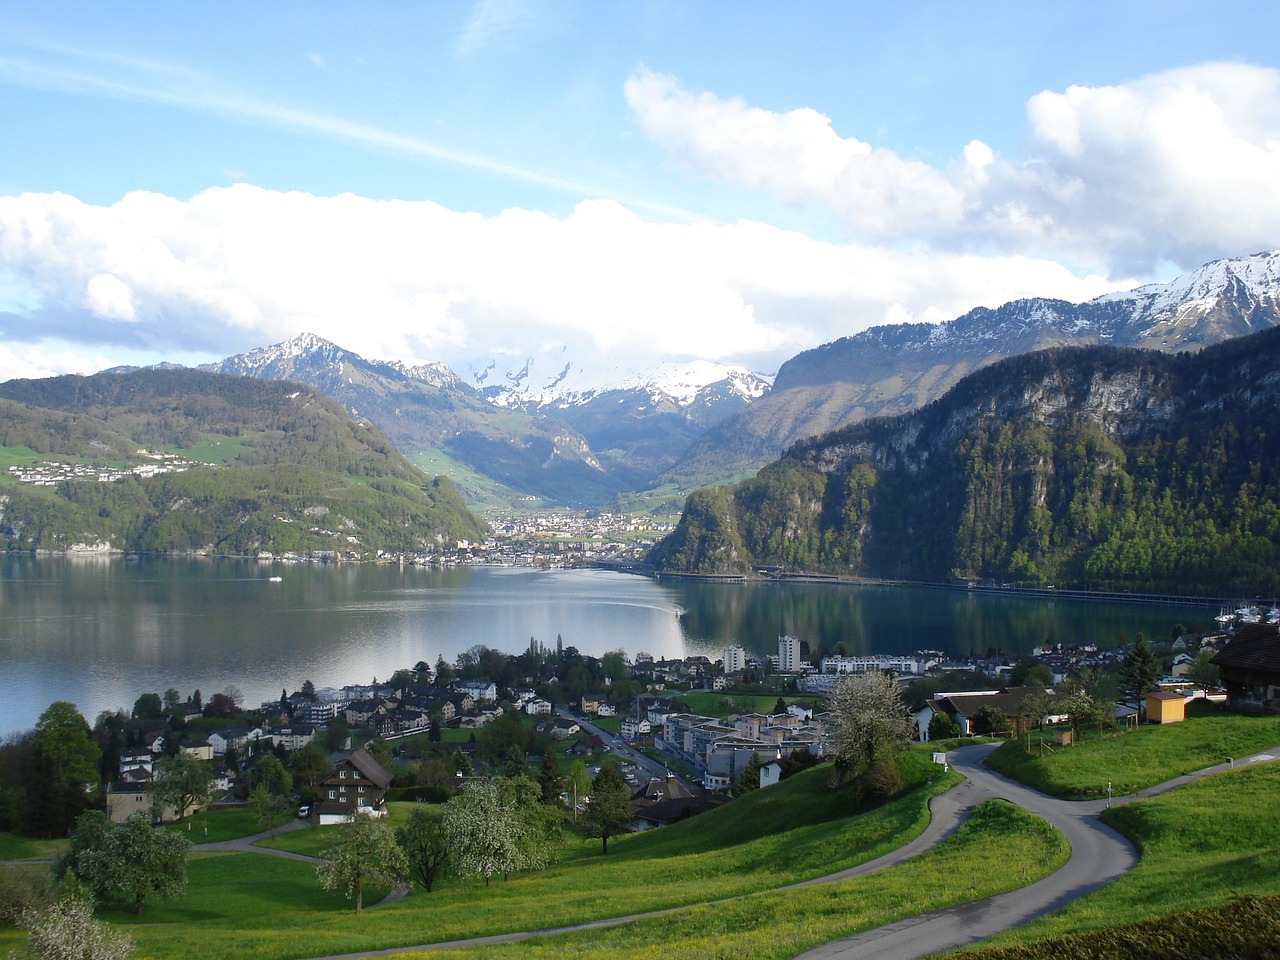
(127, 862)
(181, 782)
(425, 845)
(608, 806)
(268, 808)
(67, 930)
(365, 852)
(870, 720)
(497, 826)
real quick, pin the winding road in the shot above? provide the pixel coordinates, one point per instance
(1098, 855)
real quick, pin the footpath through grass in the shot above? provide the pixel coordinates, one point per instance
(1140, 758)
(249, 905)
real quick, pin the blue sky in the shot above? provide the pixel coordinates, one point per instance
(614, 183)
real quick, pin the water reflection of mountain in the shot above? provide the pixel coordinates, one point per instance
(900, 620)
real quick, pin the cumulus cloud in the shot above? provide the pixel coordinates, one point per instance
(1181, 166)
(239, 267)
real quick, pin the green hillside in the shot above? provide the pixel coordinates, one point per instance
(1095, 467)
(260, 466)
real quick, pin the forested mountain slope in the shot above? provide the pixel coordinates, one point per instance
(267, 466)
(1091, 466)
(898, 368)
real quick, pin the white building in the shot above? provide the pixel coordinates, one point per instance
(789, 655)
(735, 658)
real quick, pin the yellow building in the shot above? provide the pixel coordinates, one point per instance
(1166, 706)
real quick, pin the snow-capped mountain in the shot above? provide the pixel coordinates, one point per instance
(895, 369)
(561, 438)
(537, 385)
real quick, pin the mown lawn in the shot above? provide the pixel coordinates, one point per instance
(1141, 758)
(999, 849)
(217, 824)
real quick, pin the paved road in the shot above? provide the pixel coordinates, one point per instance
(246, 844)
(623, 750)
(1098, 855)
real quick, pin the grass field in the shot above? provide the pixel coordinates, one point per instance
(1201, 845)
(24, 848)
(1141, 758)
(798, 830)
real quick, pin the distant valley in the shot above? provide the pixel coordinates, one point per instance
(510, 438)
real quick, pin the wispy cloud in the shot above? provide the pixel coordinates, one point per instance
(185, 89)
(489, 20)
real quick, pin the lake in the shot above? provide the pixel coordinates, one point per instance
(101, 631)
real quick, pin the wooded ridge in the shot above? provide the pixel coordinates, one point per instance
(1100, 467)
(270, 467)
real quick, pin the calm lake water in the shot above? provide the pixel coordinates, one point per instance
(100, 631)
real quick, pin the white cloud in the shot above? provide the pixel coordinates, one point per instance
(1181, 166)
(240, 266)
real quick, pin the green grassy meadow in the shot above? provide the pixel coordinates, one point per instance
(1138, 759)
(1201, 845)
(720, 876)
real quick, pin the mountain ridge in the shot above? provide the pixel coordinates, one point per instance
(1099, 466)
(887, 370)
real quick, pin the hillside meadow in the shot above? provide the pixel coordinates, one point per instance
(720, 876)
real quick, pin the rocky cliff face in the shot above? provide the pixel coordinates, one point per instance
(1089, 465)
(894, 369)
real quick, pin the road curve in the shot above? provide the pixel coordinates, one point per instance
(1099, 854)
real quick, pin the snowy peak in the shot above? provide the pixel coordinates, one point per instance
(535, 386)
(1258, 275)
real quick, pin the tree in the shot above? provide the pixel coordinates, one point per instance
(270, 773)
(498, 826)
(62, 763)
(67, 930)
(182, 783)
(1033, 708)
(149, 706)
(942, 727)
(308, 690)
(310, 765)
(1082, 708)
(1140, 670)
(425, 845)
(268, 808)
(578, 783)
(550, 780)
(608, 806)
(127, 862)
(990, 720)
(870, 720)
(1203, 672)
(749, 778)
(365, 852)
(779, 706)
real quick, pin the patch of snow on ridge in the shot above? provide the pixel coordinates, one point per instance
(1259, 273)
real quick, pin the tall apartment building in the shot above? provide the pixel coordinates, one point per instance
(735, 658)
(788, 654)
